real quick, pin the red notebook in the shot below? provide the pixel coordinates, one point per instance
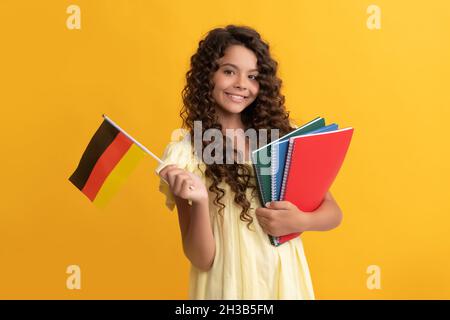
(312, 163)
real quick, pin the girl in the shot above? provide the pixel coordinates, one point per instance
(232, 84)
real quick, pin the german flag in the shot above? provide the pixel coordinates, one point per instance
(109, 158)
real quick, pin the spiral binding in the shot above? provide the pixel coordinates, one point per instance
(274, 166)
(287, 167)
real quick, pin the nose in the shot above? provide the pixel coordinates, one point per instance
(241, 82)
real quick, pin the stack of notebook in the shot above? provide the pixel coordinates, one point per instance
(301, 166)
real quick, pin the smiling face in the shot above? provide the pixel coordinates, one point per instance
(235, 82)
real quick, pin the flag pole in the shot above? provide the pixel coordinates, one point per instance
(132, 139)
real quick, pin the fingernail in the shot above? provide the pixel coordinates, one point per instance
(267, 204)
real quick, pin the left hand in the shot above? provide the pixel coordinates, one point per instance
(281, 218)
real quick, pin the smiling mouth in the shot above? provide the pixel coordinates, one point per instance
(235, 98)
(237, 95)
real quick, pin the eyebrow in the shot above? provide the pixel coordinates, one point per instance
(235, 66)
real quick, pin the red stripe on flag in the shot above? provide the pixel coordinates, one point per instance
(105, 164)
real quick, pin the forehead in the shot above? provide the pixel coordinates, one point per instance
(243, 58)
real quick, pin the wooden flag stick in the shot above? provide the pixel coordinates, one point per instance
(132, 139)
(135, 141)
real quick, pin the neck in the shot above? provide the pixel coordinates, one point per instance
(234, 121)
(230, 120)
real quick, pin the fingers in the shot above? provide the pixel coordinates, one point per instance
(264, 222)
(164, 170)
(266, 225)
(185, 188)
(175, 178)
(169, 171)
(280, 205)
(263, 225)
(180, 181)
(264, 217)
(263, 213)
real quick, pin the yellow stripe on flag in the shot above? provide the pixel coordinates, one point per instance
(120, 172)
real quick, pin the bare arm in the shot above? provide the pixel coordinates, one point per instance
(196, 232)
(328, 216)
(194, 221)
(283, 217)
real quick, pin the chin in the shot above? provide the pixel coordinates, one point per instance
(233, 108)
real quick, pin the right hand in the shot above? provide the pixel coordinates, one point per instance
(184, 184)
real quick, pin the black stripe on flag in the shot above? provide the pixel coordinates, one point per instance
(102, 138)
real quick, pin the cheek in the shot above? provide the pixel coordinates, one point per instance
(254, 85)
(217, 86)
(216, 93)
(220, 81)
(255, 90)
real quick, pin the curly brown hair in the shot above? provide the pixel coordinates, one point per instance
(267, 111)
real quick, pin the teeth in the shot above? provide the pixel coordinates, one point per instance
(235, 98)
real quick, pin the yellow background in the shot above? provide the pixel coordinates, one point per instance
(129, 61)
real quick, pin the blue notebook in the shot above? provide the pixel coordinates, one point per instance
(278, 160)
